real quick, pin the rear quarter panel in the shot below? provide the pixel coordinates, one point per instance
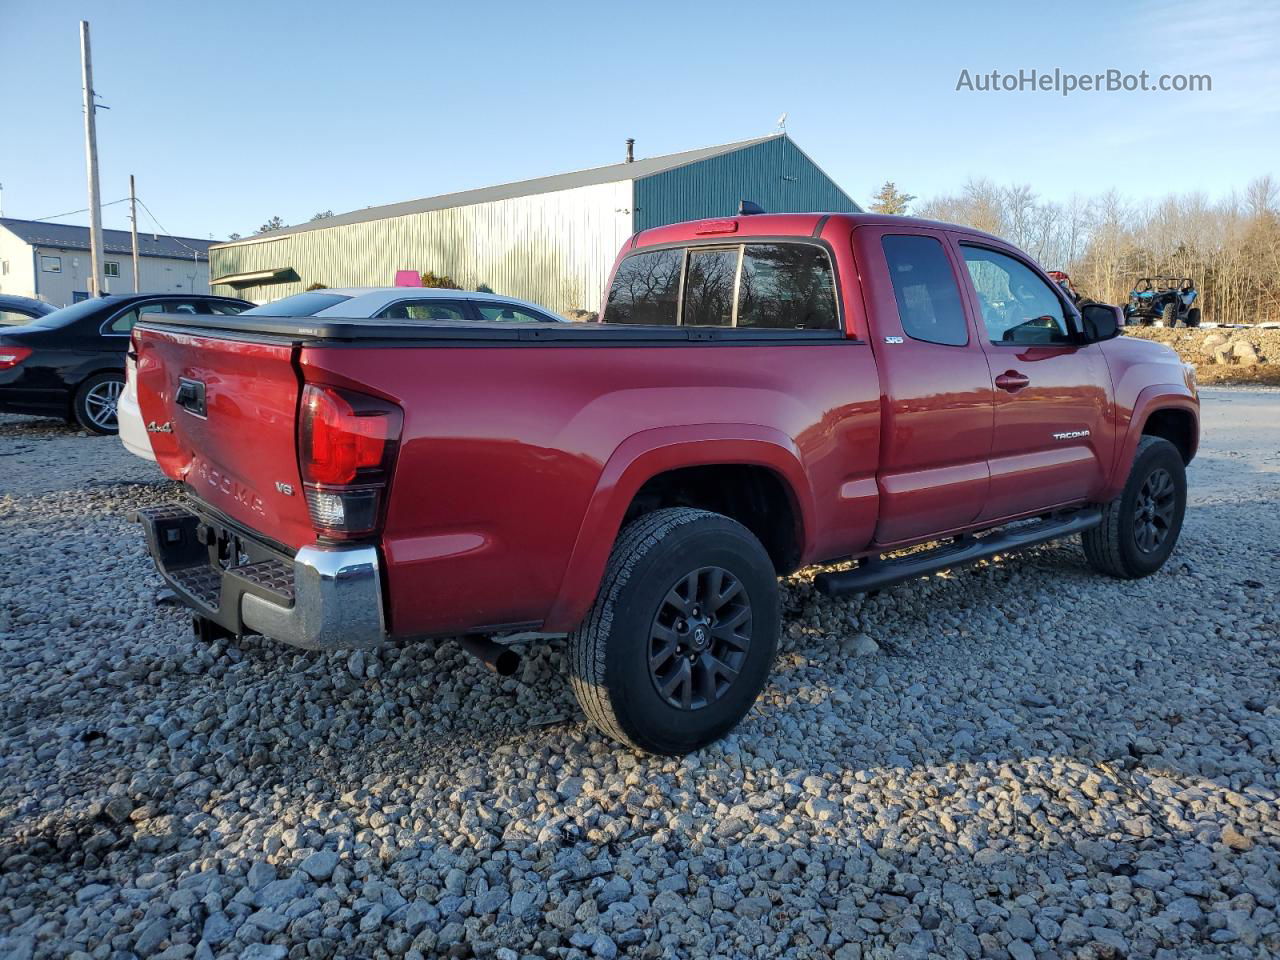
(517, 463)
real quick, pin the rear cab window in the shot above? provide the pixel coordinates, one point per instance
(761, 286)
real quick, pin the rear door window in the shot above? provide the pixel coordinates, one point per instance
(925, 288)
(509, 313)
(646, 289)
(787, 286)
(431, 309)
(123, 323)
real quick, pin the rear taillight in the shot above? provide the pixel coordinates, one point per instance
(12, 356)
(347, 445)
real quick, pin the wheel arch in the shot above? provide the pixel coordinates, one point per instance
(1170, 411)
(645, 462)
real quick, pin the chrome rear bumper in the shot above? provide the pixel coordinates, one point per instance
(322, 598)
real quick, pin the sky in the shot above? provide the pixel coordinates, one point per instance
(231, 112)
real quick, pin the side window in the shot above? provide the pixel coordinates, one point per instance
(646, 289)
(509, 312)
(226, 309)
(1017, 306)
(786, 286)
(925, 288)
(124, 323)
(425, 310)
(179, 306)
(708, 288)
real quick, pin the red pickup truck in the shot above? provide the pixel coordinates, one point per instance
(763, 393)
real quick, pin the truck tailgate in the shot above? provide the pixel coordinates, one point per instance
(222, 416)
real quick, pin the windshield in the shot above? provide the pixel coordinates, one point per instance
(60, 318)
(299, 305)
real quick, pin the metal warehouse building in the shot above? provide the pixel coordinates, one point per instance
(551, 240)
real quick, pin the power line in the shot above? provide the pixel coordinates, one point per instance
(70, 213)
(142, 204)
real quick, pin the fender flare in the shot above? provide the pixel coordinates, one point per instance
(646, 454)
(1157, 396)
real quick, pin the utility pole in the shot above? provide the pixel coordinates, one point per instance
(133, 226)
(91, 160)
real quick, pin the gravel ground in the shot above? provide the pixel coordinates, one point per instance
(1019, 759)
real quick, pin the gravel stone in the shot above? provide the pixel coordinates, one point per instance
(320, 865)
(1026, 760)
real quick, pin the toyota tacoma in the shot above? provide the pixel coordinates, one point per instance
(763, 393)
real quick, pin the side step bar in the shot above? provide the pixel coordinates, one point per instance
(875, 573)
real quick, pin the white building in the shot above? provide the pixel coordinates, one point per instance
(50, 261)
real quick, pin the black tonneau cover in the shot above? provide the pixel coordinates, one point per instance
(313, 330)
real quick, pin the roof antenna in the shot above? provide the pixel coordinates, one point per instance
(782, 123)
(631, 149)
(747, 208)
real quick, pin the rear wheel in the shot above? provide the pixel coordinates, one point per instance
(1169, 315)
(95, 402)
(1140, 527)
(1193, 317)
(680, 640)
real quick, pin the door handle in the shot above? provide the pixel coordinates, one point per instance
(1012, 380)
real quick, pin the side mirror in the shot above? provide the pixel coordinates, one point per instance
(1101, 321)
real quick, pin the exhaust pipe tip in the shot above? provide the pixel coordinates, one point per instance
(502, 660)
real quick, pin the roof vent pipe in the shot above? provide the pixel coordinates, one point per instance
(631, 149)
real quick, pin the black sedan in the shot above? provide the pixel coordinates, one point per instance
(15, 311)
(70, 363)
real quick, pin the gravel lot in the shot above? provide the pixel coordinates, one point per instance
(1019, 759)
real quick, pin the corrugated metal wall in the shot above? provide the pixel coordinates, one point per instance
(713, 187)
(553, 248)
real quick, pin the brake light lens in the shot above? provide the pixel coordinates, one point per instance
(10, 357)
(347, 444)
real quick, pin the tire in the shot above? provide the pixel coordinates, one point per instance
(1193, 317)
(681, 553)
(95, 402)
(1116, 547)
(1169, 315)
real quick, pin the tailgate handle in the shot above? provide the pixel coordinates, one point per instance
(190, 396)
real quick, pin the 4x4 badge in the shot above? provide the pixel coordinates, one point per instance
(153, 427)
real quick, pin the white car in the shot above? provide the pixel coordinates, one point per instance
(360, 303)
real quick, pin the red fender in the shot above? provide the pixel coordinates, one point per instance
(647, 454)
(1158, 396)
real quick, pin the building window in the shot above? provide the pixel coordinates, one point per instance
(111, 268)
(51, 264)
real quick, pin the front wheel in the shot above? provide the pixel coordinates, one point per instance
(682, 635)
(1140, 527)
(1193, 317)
(95, 402)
